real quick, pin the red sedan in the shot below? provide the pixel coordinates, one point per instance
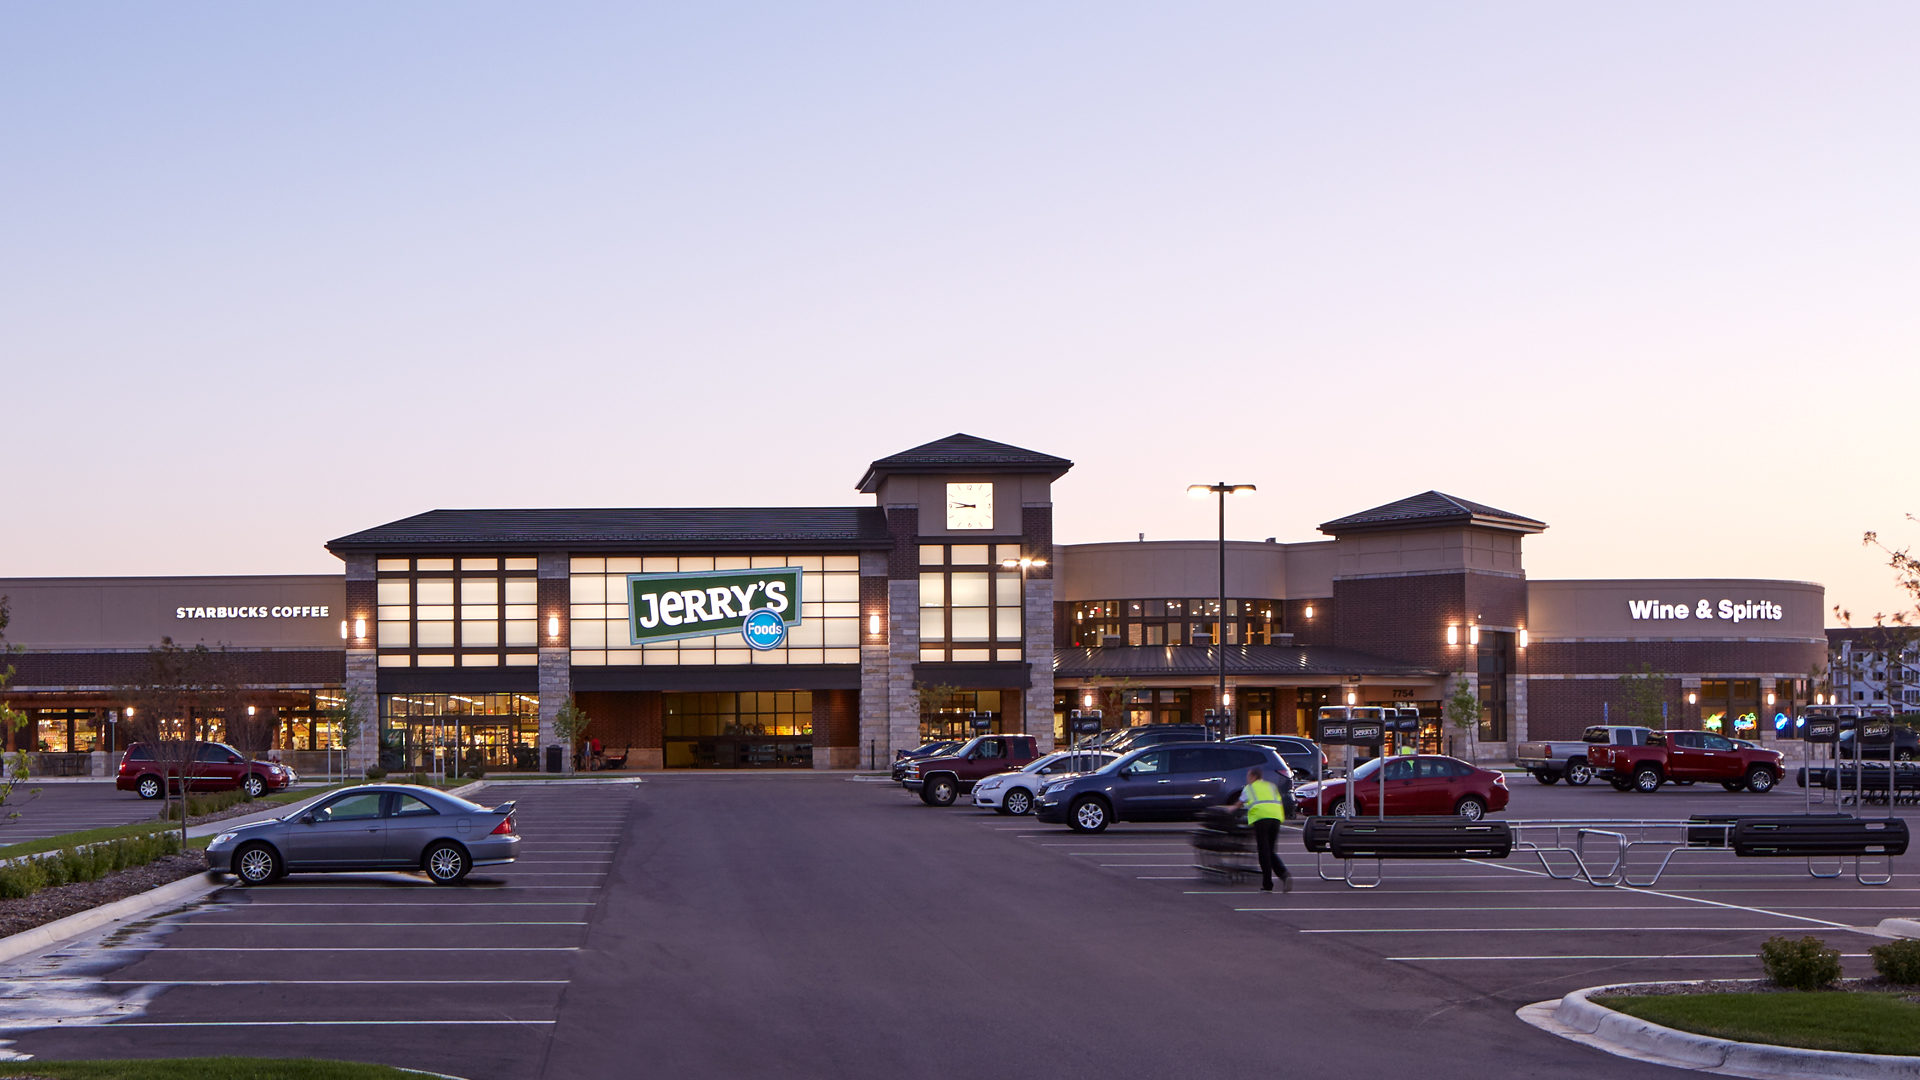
(1416, 784)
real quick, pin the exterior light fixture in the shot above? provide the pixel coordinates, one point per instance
(1227, 699)
(1453, 635)
(873, 624)
(553, 626)
(1352, 697)
(1309, 611)
(129, 712)
(1523, 637)
(1473, 634)
(251, 710)
(360, 628)
(343, 629)
(1693, 698)
(1769, 699)
(1086, 701)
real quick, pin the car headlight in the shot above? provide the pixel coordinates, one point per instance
(991, 783)
(223, 838)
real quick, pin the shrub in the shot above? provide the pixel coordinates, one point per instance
(418, 778)
(1898, 961)
(1803, 964)
(22, 879)
(375, 772)
(476, 765)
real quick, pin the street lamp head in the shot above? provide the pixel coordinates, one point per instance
(1199, 491)
(1241, 489)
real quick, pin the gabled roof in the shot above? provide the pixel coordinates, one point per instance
(1428, 510)
(960, 453)
(842, 528)
(1152, 661)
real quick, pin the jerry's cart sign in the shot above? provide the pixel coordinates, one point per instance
(757, 604)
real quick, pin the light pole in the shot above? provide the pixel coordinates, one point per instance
(1221, 490)
(1023, 564)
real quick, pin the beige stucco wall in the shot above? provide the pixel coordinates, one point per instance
(1590, 609)
(1428, 551)
(135, 613)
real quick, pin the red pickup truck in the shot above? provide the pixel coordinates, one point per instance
(1684, 757)
(940, 780)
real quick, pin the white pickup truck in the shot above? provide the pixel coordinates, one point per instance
(1549, 762)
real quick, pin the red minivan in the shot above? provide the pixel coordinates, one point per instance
(216, 767)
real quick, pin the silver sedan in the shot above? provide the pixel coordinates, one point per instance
(371, 827)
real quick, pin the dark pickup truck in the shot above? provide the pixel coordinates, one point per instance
(1684, 757)
(940, 780)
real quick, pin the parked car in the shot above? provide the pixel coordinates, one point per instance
(1169, 782)
(215, 767)
(372, 827)
(1551, 762)
(903, 758)
(1303, 756)
(1415, 784)
(1686, 756)
(1141, 735)
(1906, 744)
(1013, 792)
(940, 779)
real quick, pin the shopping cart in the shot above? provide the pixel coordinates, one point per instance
(1223, 846)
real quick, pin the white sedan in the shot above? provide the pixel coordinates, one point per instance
(1014, 792)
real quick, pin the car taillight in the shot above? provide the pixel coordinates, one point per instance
(1500, 778)
(505, 828)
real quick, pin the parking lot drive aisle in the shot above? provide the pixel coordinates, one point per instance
(378, 967)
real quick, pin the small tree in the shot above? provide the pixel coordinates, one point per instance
(1643, 697)
(250, 732)
(13, 769)
(570, 723)
(1463, 713)
(348, 715)
(166, 709)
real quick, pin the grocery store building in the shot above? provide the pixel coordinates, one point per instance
(827, 637)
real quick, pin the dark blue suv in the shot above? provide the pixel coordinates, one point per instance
(1168, 782)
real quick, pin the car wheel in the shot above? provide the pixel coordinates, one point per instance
(1342, 810)
(149, 787)
(1760, 780)
(941, 791)
(1620, 783)
(1088, 814)
(1546, 777)
(1903, 755)
(1647, 779)
(446, 863)
(1734, 785)
(254, 786)
(1471, 808)
(1017, 801)
(256, 864)
(1579, 773)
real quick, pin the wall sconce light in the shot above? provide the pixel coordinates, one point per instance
(1473, 634)
(553, 626)
(343, 629)
(1309, 612)
(1453, 635)
(360, 629)
(1352, 697)
(251, 710)
(1523, 637)
(129, 712)
(873, 624)
(1693, 698)
(1769, 699)
(1227, 699)
(1086, 701)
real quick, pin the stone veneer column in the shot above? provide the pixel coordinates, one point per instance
(363, 670)
(1516, 710)
(556, 659)
(874, 745)
(903, 651)
(1039, 651)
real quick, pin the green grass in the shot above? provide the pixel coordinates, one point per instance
(1857, 1023)
(84, 836)
(218, 1068)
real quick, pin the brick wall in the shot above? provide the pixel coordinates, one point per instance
(1563, 708)
(626, 719)
(1315, 631)
(1716, 659)
(836, 729)
(1403, 618)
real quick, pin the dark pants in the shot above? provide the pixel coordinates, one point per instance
(1266, 833)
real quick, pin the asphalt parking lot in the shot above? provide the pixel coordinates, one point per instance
(49, 809)
(388, 967)
(816, 925)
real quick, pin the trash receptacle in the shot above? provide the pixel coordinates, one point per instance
(556, 758)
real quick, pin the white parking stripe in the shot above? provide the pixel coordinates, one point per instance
(1604, 956)
(248, 922)
(1696, 900)
(1548, 929)
(411, 903)
(322, 982)
(322, 1023)
(346, 948)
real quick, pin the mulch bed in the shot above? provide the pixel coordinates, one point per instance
(63, 900)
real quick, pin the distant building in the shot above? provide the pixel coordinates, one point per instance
(1875, 665)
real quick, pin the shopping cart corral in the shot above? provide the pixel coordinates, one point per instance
(1637, 853)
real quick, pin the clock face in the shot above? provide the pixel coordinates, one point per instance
(969, 506)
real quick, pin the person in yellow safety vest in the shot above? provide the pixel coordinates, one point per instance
(1266, 809)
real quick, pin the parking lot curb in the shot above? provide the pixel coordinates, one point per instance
(1577, 1018)
(61, 931)
(1901, 928)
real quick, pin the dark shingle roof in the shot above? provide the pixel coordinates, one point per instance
(963, 453)
(728, 528)
(1183, 660)
(1431, 508)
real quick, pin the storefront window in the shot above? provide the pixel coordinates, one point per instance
(470, 612)
(1088, 624)
(969, 606)
(828, 632)
(439, 732)
(950, 721)
(722, 730)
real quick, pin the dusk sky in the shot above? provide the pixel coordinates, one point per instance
(1649, 272)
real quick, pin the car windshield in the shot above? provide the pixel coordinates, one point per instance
(1364, 771)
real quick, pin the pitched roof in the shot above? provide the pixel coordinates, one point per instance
(959, 453)
(830, 528)
(1429, 509)
(1200, 660)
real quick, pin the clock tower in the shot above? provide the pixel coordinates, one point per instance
(968, 593)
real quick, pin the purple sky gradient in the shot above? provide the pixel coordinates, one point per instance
(1645, 271)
